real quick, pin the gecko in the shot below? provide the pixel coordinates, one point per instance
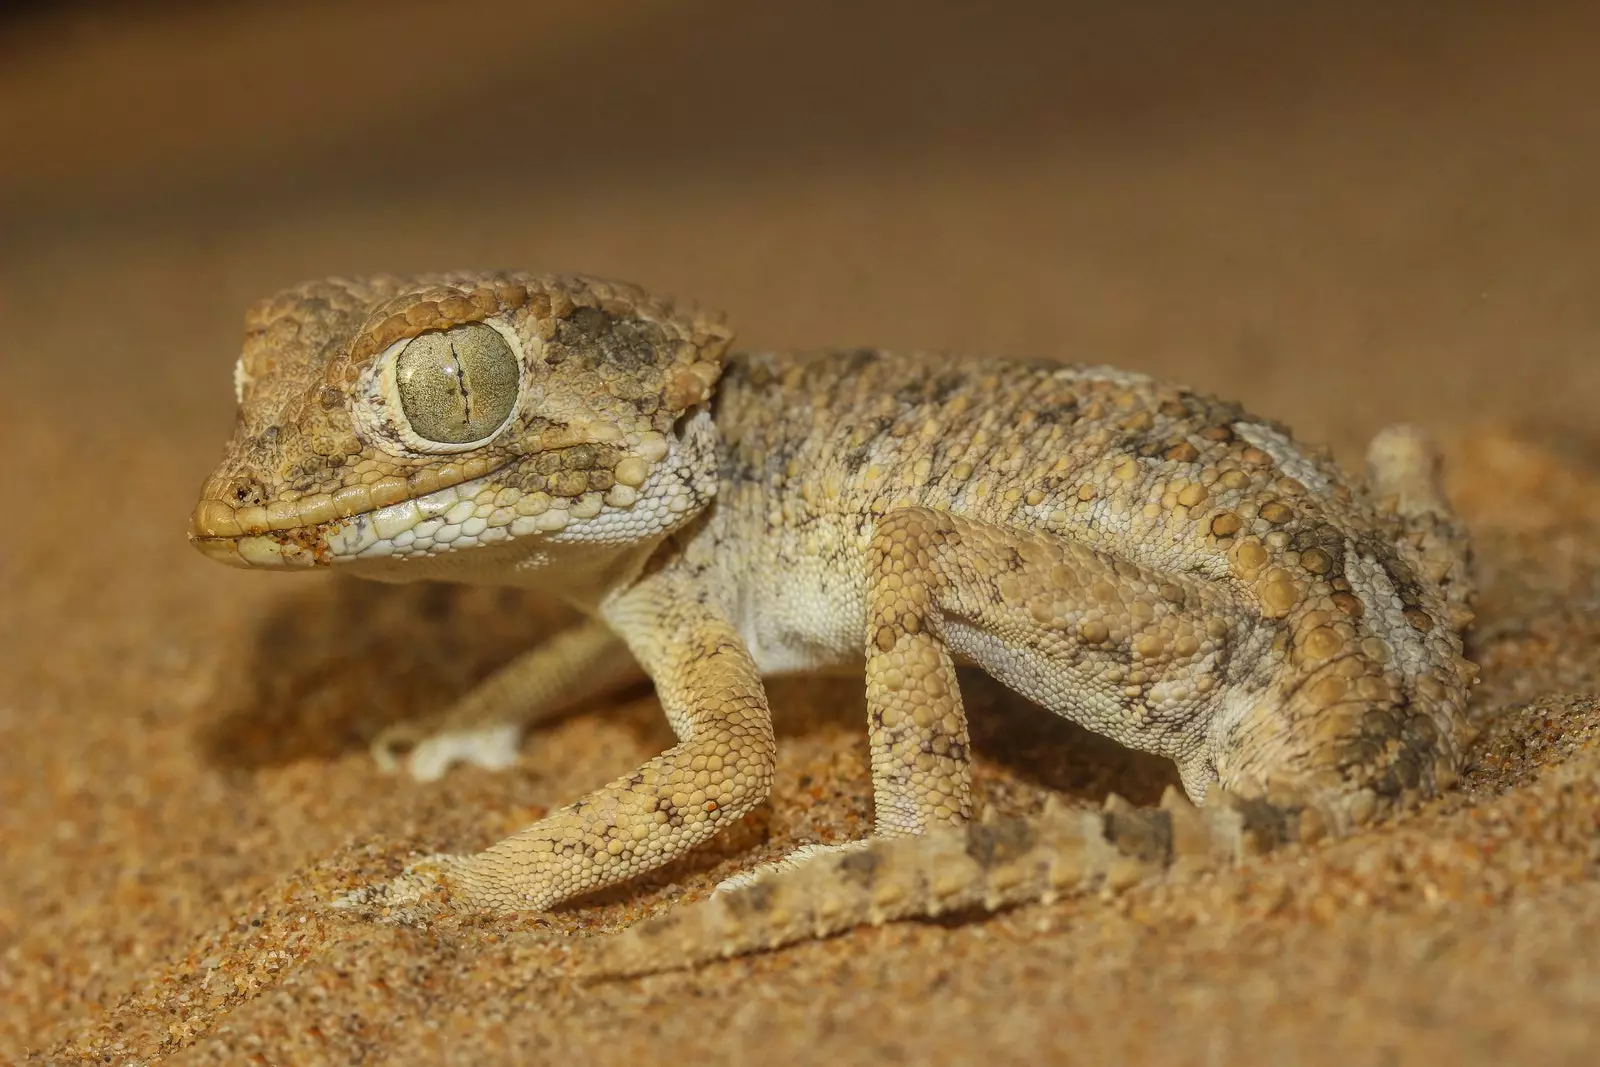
(1151, 562)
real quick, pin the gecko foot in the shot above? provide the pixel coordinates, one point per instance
(426, 757)
(414, 895)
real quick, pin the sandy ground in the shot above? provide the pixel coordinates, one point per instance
(1342, 219)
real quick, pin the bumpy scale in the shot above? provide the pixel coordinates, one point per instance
(1153, 563)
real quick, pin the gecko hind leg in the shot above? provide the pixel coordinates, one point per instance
(1133, 653)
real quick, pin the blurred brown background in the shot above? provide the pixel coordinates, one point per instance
(1341, 213)
(1264, 199)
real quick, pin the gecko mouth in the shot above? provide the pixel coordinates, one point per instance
(643, 496)
(456, 516)
(297, 549)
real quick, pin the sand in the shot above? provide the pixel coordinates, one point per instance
(1343, 219)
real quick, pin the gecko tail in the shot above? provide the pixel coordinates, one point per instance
(1405, 474)
(983, 866)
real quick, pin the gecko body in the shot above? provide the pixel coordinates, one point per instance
(1159, 565)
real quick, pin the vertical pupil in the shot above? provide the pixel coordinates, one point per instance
(457, 386)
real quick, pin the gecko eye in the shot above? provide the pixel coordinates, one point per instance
(458, 385)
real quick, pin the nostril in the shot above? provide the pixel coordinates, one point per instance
(245, 495)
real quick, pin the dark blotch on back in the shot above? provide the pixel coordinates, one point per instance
(1050, 414)
(947, 385)
(927, 389)
(860, 359)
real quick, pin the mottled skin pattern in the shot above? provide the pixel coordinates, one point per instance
(1151, 562)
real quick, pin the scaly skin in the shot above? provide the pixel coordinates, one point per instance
(1153, 563)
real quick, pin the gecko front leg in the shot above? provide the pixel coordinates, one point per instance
(916, 725)
(484, 727)
(721, 768)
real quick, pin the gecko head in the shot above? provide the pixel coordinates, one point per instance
(385, 420)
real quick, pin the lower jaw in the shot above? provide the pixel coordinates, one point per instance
(258, 551)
